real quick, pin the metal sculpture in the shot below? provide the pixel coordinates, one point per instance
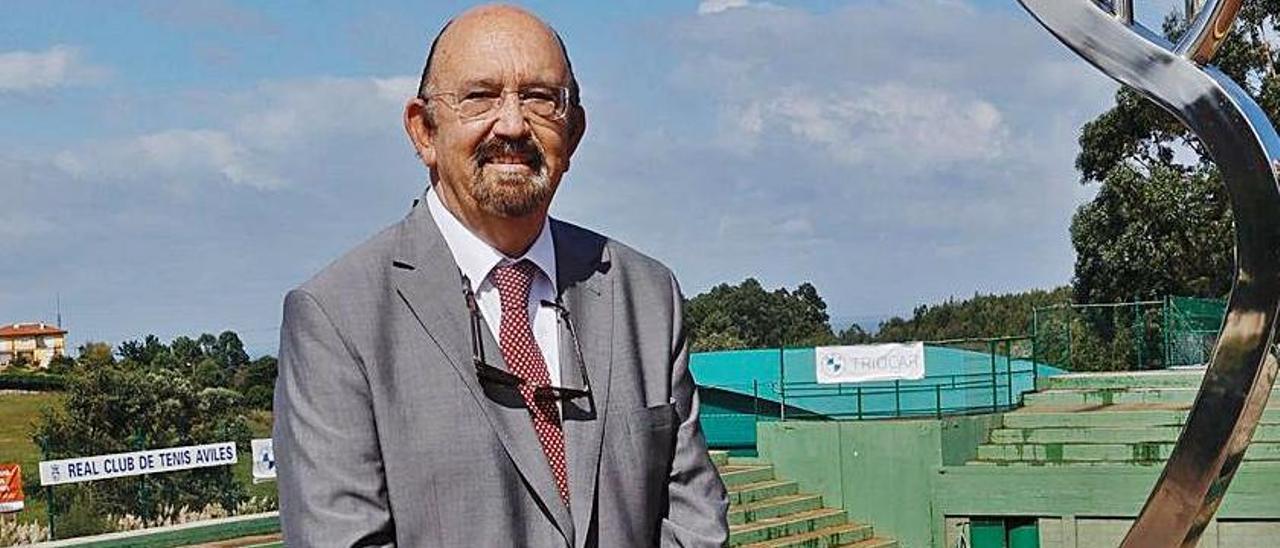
(1245, 147)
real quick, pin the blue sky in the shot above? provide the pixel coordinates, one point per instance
(176, 167)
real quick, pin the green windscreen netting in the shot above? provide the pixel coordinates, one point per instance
(1139, 335)
(1191, 328)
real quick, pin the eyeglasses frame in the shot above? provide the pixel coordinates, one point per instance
(561, 115)
(489, 373)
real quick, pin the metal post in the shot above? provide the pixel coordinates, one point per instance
(1035, 334)
(1140, 334)
(859, 402)
(48, 496)
(1164, 330)
(48, 489)
(995, 388)
(897, 398)
(755, 399)
(1008, 371)
(937, 400)
(1071, 366)
(782, 384)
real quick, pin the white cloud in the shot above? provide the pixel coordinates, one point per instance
(282, 114)
(919, 148)
(173, 158)
(267, 128)
(873, 144)
(58, 66)
(887, 122)
(894, 88)
(707, 7)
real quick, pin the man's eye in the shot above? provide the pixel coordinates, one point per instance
(479, 95)
(538, 95)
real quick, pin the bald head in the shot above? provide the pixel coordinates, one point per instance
(484, 32)
(497, 162)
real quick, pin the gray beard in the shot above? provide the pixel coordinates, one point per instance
(511, 195)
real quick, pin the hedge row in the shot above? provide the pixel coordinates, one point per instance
(36, 382)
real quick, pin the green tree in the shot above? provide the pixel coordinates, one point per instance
(147, 352)
(1148, 234)
(208, 344)
(257, 382)
(61, 364)
(95, 354)
(230, 351)
(119, 408)
(186, 351)
(208, 372)
(978, 317)
(1161, 224)
(855, 334)
(748, 316)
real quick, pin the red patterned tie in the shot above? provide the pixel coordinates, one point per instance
(520, 350)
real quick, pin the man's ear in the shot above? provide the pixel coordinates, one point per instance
(417, 123)
(577, 126)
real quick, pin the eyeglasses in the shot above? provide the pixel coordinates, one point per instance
(545, 103)
(494, 375)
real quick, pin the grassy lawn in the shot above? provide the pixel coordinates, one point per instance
(20, 412)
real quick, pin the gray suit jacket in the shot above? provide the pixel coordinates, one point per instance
(384, 435)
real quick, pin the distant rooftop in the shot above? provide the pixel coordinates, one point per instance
(14, 330)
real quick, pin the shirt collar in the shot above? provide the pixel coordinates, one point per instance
(476, 258)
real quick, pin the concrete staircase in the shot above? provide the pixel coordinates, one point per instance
(765, 511)
(1083, 453)
(1130, 418)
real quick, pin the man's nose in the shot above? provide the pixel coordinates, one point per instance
(511, 122)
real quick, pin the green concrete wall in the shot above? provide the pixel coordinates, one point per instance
(1116, 490)
(880, 472)
(962, 435)
(1065, 472)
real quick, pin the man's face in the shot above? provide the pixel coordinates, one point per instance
(508, 163)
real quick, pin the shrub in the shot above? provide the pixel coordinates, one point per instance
(35, 382)
(84, 515)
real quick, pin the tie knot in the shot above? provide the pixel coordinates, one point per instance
(513, 282)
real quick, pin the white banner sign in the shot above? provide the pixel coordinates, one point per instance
(869, 362)
(264, 460)
(153, 461)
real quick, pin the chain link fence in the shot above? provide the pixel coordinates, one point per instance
(1138, 335)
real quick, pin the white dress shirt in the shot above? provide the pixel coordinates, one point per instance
(477, 259)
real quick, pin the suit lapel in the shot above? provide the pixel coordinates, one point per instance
(427, 280)
(582, 267)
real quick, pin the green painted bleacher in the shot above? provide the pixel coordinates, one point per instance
(765, 511)
(1132, 418)
(1084, 451)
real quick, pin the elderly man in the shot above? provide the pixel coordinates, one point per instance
(479, 374)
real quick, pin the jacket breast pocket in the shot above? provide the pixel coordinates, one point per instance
(653, 436)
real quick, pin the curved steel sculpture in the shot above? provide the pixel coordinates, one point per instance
(1244, 145)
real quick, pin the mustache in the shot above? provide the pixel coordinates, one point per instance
(524, 149)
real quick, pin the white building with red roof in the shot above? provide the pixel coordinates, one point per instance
(36, 344)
